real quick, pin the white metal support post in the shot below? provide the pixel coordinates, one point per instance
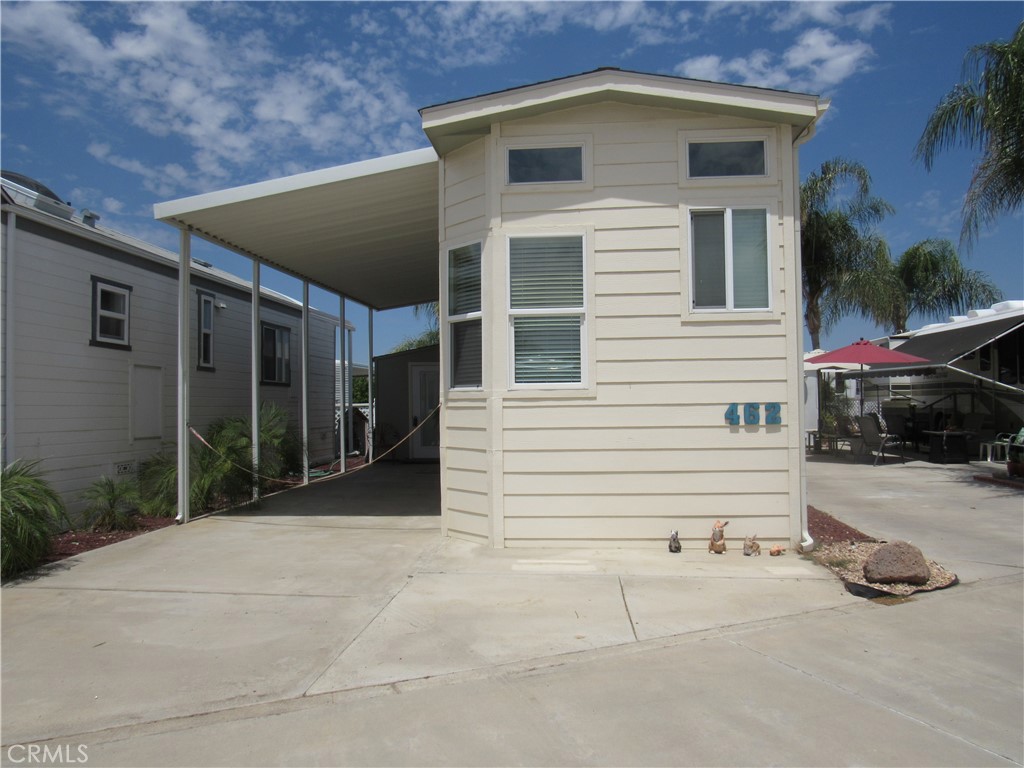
(305, 382)
(349, 390)
(343, 392)
(8, 363)
(255, 381)
(184, 309)
(369, 384)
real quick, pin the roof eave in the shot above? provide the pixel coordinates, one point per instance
(454, 124)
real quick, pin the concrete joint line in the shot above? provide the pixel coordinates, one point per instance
(873, 702)
(359, 634)
(625, 604)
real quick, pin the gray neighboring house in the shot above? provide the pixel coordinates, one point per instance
(89, 349)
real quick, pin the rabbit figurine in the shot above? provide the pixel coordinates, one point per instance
(751, 546)
(673, 542)
(776, 550)
(717, 543)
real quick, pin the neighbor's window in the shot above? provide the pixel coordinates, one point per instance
(534, 165)
(711, 159)
(547, 309)
(730, 259)
(465, 316)
(111, 304)
(206, 305)
(275, 355)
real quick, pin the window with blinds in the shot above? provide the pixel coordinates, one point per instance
(730, 259)
(547, 309)
(465, 317)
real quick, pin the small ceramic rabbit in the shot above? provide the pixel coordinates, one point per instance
(673, 542)
(751, 546)
(776, 550)
(717, 543)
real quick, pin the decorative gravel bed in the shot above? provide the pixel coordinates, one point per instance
(844, 550)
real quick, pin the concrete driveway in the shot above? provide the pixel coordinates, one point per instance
(306, 635)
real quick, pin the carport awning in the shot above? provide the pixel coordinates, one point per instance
(368, 230)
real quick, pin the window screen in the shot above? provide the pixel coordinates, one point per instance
(545, 164)
(726, 158)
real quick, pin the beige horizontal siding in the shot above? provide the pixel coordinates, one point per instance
(596, 460)
(647, 449)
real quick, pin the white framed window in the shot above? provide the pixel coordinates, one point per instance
(111, 314)
(538, 165)
(546, 163)
(730, 259)
(713, 159)
(207, 302)
(726, 157)
(275, 354)
(465, 317)
(547, 310)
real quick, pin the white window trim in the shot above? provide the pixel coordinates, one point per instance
(452, 320)
(100, 284)
(585, 141)
(204, 299)
(587, 340)
(757, 313)
(727, 135)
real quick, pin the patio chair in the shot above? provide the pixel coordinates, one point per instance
(877, 441)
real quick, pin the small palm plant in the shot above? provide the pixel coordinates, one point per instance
(113, 505)
(31, 513)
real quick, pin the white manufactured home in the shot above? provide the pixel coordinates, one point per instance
(90, 347)
(616, 260)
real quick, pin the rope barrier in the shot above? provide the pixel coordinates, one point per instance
(352, 471)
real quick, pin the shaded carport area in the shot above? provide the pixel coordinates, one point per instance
(366, 231)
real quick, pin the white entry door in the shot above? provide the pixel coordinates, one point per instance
(425, 390)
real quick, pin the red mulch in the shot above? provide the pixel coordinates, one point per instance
(825, 529)
(74, 543)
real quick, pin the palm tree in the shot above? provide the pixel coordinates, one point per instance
(429, 336)
(931, 281)
(837, 245)
(985, 111)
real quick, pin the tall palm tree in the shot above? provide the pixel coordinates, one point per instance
(837, 211)
(985, 111)
(932, 281)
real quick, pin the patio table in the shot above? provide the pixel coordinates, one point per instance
(948, 447)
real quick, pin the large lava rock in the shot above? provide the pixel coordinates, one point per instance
(898, 562)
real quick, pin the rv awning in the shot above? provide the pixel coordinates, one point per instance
(367, 230)
(946, 347)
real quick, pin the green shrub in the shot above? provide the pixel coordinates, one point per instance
(32, 512)
(224, 475)
(113, 505)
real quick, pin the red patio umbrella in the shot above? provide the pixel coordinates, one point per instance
(863, 353)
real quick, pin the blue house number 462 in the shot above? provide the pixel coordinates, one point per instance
(752, 413)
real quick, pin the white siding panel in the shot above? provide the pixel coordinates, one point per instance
(461, 458)
(639, 484)
(738, 439)
(654, 529)
(641, 461)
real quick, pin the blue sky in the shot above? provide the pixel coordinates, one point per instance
(116, 106)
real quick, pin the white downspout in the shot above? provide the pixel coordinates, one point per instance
(184, 308)
(806, 541)
(305, 382)
(8, 362)
(254, 394)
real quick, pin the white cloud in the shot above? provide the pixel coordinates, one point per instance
(207, 77)
(816, 62)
